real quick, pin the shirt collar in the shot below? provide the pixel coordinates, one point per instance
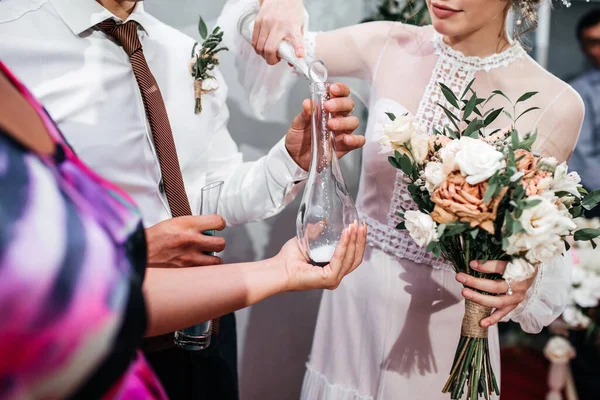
(82, 15)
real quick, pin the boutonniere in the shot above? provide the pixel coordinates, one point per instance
(205, 60)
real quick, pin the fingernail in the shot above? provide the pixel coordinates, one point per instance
(461, 278)
(331, 105)
(485, 324)
(466, 293)
(473, 264)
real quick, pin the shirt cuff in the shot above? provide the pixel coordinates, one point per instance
(283, 169)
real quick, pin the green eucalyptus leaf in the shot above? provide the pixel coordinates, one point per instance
(473, 127)
(406, 165)
(591, 200)
(455, 228)
(391, 116)
(567, 245)
(467, 88)
(202, 29)
(451, 117)
(449, 95)
(492, 116)
(526, 97)
(401, 226)
(586, 234)
(527, 111)
(470, 106)
(394, 162)
(576, 211)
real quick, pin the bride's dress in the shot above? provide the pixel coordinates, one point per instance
(391, 328)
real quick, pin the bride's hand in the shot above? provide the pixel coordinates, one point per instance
(503, 303)
(342, 124)
(278, 20)
(300, 275)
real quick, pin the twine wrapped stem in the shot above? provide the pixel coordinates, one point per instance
(474, 313)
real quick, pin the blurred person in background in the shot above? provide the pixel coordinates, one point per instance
(586, 157)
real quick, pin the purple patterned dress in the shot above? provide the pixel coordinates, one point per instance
(72, 260)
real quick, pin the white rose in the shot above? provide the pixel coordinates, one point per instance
(564, 181)
(448, 155)
(419, 146)
(545, 252)
(421, 227)
(544, 225)
(209, 85)
(518, 270)
(575, 318)
(435, 175)
(400, 131)
(478, 161)
(558, 350)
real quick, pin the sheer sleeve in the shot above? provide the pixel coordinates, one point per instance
(547, 298)
(347, 52)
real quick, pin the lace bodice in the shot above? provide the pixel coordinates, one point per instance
(456, 71)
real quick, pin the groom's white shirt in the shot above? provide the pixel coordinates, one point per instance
(86, 83)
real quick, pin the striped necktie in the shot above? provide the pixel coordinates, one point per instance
(126, 34)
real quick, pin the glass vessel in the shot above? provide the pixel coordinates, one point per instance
(327, 207)
(198, 337)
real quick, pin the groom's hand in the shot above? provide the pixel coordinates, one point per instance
(180, 242)
(341, 123)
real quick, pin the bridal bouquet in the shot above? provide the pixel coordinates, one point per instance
(484, 196)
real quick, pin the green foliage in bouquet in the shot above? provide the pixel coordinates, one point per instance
(412, 12)
(508, 195)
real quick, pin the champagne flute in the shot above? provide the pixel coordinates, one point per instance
(198, 337)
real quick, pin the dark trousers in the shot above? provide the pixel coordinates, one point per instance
(209, 374)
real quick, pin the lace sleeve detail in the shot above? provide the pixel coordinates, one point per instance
(547, 298)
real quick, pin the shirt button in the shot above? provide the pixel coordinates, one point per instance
(161, 187)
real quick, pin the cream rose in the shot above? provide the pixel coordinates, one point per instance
(419, 147)
(421, 227)
(435, 175)
(448, 155)
(543, 226)
(399, 132)
(518, 270)
(478, 161)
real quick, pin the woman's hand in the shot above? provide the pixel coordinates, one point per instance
(278, 20)
(503, 303)
(347, 256)
(342, 124)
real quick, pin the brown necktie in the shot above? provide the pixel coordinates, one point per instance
(126, 34)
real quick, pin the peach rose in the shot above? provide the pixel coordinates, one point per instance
(526, 161)
(456, 200)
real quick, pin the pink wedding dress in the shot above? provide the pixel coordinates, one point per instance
(391, 328)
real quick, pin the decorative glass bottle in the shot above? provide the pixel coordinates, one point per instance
(327, 207)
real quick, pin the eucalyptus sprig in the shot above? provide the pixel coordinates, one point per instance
(205, 60)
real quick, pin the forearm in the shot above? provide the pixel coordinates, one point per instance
(258, 190)
(178, 298)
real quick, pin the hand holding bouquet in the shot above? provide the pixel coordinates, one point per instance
(484, 196)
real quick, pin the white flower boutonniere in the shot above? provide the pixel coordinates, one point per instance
(205, 60)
